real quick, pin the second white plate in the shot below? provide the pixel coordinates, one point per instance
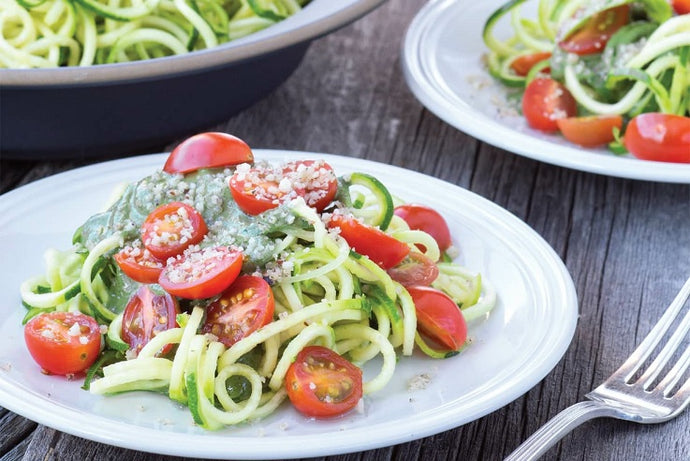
(521, 341)
(442, 60)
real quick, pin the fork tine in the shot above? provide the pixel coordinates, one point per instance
(646, 347)
(673, 377)
(666, 353)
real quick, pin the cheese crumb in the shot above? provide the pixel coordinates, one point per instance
(419, 382)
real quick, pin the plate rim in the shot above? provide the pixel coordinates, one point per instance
(157, 440)
(480, 126)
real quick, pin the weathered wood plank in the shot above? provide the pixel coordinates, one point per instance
(15, 429)
(17, 451)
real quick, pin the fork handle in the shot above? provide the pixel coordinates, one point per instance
(557, 427)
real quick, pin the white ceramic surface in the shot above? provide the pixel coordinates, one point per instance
(512, 350)
(442, 60)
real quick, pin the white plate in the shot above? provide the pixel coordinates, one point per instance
(442, 60)
(522, 340)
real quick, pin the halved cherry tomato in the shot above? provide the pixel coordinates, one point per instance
(524, 63)
(545, 100)
(420, 217)
(438, 317)
(208, 150)
(63, 343)
(146, 315)
(171, 228)
(681, 6)
(243, 308)
(659, 137)
(416, 269)
(320, 383)
(380, 247)
(263, 187)
(201, 273)
(139, 264)
(592, 36)
(590, 131)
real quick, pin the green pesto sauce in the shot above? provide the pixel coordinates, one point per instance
(208, 192)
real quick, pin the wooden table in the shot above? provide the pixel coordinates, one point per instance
(626, 243)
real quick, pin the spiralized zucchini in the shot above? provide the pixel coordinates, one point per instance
(332, 297)
(54, 33)
(644, 67)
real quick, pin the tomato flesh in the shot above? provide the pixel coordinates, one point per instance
(171, 228)
(438, 317)
(681, 6)
(322, 384)
(420, 217)
(63, 343)
(659, 137)
(416, 269)
(545, 101)
(243, 308)
(590, 131)
(146, 315)
(263, 187)
(139, 264)
(378, 246)
(524, 63)
(201, 273)
(208, 150)
(596, 32)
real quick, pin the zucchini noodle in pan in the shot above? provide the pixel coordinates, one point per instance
(53, 33)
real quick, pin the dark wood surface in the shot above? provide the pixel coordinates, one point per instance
(626, 243)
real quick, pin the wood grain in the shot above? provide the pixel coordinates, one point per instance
(626, 243)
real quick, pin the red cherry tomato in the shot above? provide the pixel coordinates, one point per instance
(590, 131)
(171, 228)
(208, 150)
(524, 63)
(320, 383)
(416, 269)
(263, 187)
(659, 137)
(380, 247)
(243, 308)
(681, 6)
(139, 264)
(545, 100)
(438, 317)
(63, 343)
(420, 217)
(146, 315)
(201, 273)
(592, 36)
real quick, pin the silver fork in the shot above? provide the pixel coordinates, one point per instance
(624, 395)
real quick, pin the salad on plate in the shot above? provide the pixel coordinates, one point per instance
(605, 72)
(231, 285)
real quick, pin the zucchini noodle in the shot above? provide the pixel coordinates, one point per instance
(55, 33)
(643, 67)
(325, 294)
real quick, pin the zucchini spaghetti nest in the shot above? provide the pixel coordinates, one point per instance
(53, 33)
(606, 72)
(237, 354)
